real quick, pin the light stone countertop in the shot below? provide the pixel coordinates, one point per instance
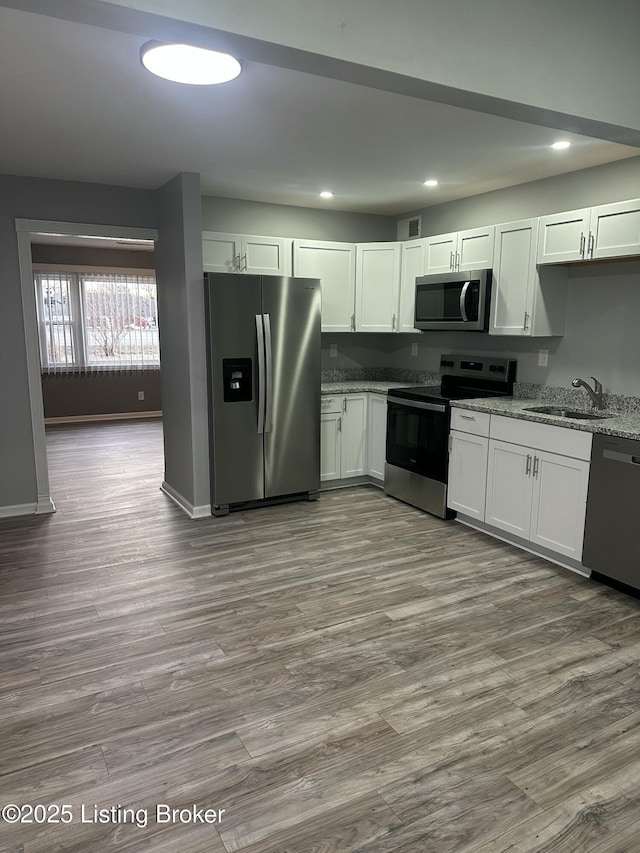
(359, 386)
(623, 424)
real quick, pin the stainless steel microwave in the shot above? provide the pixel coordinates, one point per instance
(453, 300)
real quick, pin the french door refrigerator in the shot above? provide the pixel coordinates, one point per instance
(263, 336)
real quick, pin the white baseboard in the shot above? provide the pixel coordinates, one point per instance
(17, 509)
(114, 416)
(45, 505)
(194, 512)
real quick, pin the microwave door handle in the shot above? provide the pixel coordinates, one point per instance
(463, 301)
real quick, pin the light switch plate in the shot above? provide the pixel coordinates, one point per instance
(543, 357)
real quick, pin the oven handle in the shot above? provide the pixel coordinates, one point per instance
(415, 404)
(463, 301)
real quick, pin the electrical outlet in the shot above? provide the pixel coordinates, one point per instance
(414, 348)
(543, 357)
(140, 395)
(333, 350)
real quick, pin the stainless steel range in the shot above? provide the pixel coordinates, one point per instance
(417, 450)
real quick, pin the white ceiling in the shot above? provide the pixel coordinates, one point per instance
(76, 104)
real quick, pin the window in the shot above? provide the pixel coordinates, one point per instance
(97, 321)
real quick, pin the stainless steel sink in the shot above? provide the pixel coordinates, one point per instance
(562, 412)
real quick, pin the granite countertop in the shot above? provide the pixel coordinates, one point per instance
(621, 423)
(355, 386)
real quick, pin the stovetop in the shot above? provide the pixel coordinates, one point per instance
(438, 394)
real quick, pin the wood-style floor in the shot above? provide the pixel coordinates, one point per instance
(345, 676)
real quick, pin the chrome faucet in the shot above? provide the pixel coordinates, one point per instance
(595, 393)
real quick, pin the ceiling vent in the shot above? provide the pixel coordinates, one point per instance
(410, 229)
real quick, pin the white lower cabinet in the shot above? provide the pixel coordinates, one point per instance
(523, 478)
(343, 436)
(377, 435)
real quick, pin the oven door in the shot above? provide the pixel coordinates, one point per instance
(417, 437)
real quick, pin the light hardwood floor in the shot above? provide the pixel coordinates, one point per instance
(345, 676)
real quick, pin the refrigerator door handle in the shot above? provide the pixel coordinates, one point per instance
(268, 417)
(261, 372)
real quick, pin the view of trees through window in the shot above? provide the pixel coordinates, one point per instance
(97, 321)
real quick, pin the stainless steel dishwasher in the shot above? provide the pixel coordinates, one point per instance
(611, 539)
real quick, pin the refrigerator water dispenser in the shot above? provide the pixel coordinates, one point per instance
(237, 378)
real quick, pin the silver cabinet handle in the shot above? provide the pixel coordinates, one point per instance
(244, 258)
(527, 470)
(591, 245)
(525, 325)
(261, 373)
(344, 404)
(451, 262)
(236, 262)
(535, 466)
(468, 417)
(582, 241)
(463, 300)
(339, 424)
(353, 322)
(457, 260)
(393, 323)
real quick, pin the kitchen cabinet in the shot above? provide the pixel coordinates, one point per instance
(607, 231)
(243, 253)
(377, 286)
(335, 265)
(462, 250)
(377, 435)
(468, 454)
(537, 478)
(525, 301)
(412, 265)
(343, 436)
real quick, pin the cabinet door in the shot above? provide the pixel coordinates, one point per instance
(335, 265)
(509, 486)
(412, 266)
(330, 446)
(440, 253)
(615, 230)
(377, 435)
(559, 503)
(221, 252)
(514, 276)
(377, 286)
(263, 256)
(354, 435)
(468, 474)
(475, 249)
(563, 237)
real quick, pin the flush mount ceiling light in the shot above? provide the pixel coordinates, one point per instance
(430, 183)
(183, 63)
(562, 143)
(326, 194)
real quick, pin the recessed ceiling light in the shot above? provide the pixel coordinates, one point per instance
(563, 143)
(431, 183)
(183, 63)
(326, 194)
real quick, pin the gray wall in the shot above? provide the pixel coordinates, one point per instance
(583, 188)
(100, 393)
(182, 338)
(279, 220)
(32, 198)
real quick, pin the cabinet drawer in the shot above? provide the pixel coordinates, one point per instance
(330, 403)
(554, 439)
(464, 420)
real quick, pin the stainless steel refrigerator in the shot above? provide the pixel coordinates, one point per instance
(264, 388)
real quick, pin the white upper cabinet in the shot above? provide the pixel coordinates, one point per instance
(377, 286)
(525, 301)
(412, 266)
(243, 253)
(335, 265)
(461, 250)
(608, 231)
(615, 230)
